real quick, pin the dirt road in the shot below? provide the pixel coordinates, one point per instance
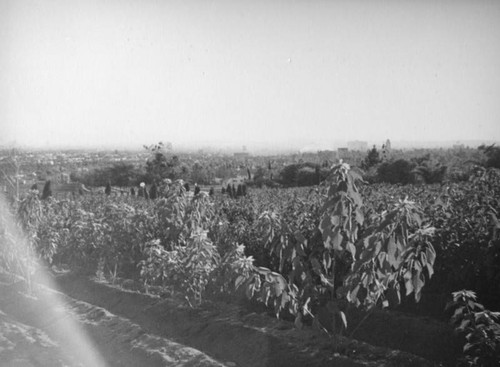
(96, 324)
(52, 329)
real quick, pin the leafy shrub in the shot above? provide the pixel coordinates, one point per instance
(334, 250)
(107, 189)
(372, 158)
(303, 174)
(161, 164)
(427, 170)
(492, 155)
(153, 192)
(399, 171)
(187, 267)
(431, 175)
(47, 190)
(480, 327)
(308, 176)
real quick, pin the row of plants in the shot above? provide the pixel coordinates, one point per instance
(297, 250)
(165, 242)
(320, 248)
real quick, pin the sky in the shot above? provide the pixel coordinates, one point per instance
(135, 72)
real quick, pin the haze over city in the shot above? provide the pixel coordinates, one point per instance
(277, 73)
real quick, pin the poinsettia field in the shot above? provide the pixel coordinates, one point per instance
(341, 244)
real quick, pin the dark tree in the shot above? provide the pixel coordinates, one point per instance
(229, 190)
(289, 174)
(34, 187)
(186, 186)
(372, 159)
(493, 155)
(239, 191)
(259, 174)
(211, 192)
(47, 190)
(153, 192)
(399, 171)
(132, 191)
(196, 189)
(107, 190)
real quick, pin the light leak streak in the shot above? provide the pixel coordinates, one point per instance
(75, 344)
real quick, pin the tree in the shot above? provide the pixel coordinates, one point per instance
(160, 166)
(428, 171)
(399, 171)
(153, 192)
(107, 190)
(289, 175)
(140, 192)
(199, 174)
(493, 155)
(259, 174)
(47, 190)
(119, 174)
(372, 159)
(303, 174)
(123, 175)
(366, 263)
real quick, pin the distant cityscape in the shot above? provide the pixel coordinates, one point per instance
(264, 148)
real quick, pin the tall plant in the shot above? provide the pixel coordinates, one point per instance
(364, 258)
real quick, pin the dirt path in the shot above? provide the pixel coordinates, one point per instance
(35, 331)
(126, 328)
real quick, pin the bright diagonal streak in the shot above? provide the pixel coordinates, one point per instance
(18, 258)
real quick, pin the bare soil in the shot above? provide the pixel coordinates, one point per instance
(127, 327)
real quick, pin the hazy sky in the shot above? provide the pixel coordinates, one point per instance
(136, 72)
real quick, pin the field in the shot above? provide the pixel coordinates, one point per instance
(344, 273)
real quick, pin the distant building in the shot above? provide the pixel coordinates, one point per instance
(358, 145)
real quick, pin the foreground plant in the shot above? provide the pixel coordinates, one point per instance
(480, 327)
(363, 257)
